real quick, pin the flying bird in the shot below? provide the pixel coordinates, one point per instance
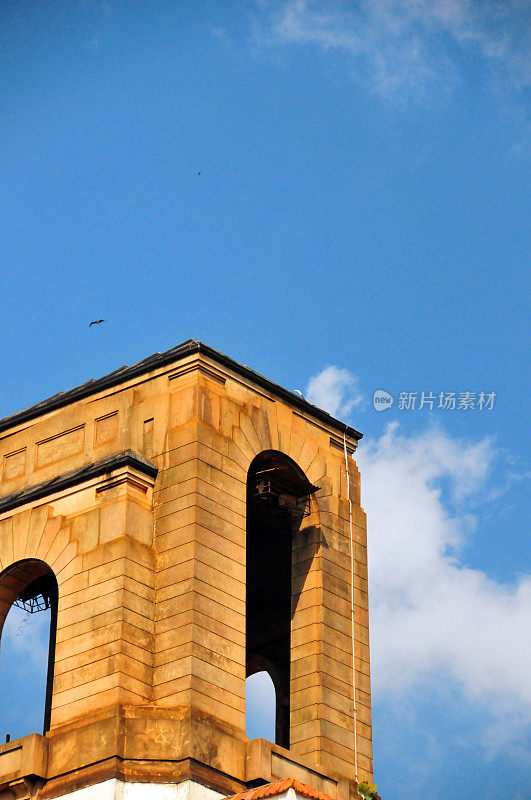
(199, 173)
(96, 322)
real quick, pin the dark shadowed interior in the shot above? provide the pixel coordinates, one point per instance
(277, 500)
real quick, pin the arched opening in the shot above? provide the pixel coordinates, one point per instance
(260, 701)
(277, 500)
(28, 626)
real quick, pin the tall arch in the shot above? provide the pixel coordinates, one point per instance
(32, 585)
(278, 499)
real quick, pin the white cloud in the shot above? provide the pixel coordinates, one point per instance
(434, 620)
(429, 611)
(335, 390)
(410, 44)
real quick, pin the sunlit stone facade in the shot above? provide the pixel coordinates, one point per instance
(140, 494)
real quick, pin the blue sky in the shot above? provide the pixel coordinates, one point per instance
(363, 205)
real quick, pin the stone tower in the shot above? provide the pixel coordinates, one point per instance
(188, 523)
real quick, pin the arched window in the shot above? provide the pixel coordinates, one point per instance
(277, 500)
(28, 624)
(260, 703)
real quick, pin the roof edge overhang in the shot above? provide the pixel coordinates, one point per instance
(158, 360)
(280, 787)
(126, 458)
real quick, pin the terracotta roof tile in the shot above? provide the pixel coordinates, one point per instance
(278, 787)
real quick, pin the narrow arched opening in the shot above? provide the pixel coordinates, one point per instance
(260, 706)
(28, 626)
(277, 500)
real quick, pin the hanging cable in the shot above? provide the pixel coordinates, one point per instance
(352, 607)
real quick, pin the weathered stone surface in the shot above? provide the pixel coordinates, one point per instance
(150, 658)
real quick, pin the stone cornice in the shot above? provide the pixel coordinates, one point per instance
(127, 458)
(159, 360)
